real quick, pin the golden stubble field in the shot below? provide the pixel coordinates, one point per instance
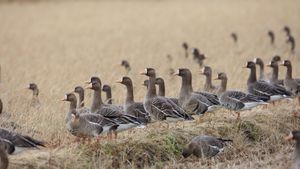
(60, 44)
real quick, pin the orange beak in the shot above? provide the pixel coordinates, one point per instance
(216, 78)
(289, 137)
(64, 99)
(87, 82)
(176, 72)
(90, 86)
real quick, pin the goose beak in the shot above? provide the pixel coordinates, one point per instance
(144, 72)
(176, 72)
(216, 78)
(27, 87)
(289, 137)
(268, 65)
(65, 98)
(282, 64)
(89, 86)
(119, 81)
(87, 82)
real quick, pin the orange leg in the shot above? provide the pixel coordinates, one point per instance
(116, 134)
(238, 116)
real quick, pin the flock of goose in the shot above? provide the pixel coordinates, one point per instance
(103, 117)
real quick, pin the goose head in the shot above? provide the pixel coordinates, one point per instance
(150, 72)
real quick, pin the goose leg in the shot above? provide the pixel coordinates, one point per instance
(116, 134)
(238, 116)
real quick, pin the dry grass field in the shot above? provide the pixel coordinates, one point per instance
(61, 44)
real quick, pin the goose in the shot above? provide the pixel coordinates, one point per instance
(198, 57)
(6, 120)
(295, 135)
(7, 146)
(291, 41)
(35, 92)
(20, 142)
(271, 36)
(208, 86)
(107, 90)
(237, 100)
(4, 162)
(205, 146)
(185, 46)
(80, 107)
(234, 37)
(291, 84)
(287, 30)
(126, 65)
(195, 102)
(73, 119)
(275, 70)
(260, 88)
(161, 108)
(276, 58)
(258, 61)
(131, 107)
(161, 89)
(113, 112)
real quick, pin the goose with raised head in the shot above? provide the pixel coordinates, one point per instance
(271, 36)
(131, 107)
(234, 37)
(161, 89)
(161, 108)
(80, 106)
(292, 43)
(237, 100)
(73, 125)
(287, 30)
(6, 119)
(107, 89)
(112, 112)
(291, 84)
(194, 101)
(205, 146)
(275, 71)
(260, 88)
(261, 65)
(35, 93)
(198, 57)
(185, 47)
(208, 86)
(295, 135)
(126, 65)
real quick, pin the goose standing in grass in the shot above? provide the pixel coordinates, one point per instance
(198, 57)
(271, 36)
(3, 159)
(261, 65)
(76, 123)
(161, 89)
(237, 100)
(205, 146)
(287, 30)
(20, 142)
(234, 37)
(35, 93)
(131, 107)
(80, 107)
(126, 65)
(194, 102)
(275, 71)
(107, 90)
(260, 88)
(208, 86)
(6, 120)
(295, 135)
(292, 43)
(185, 47)
(161, 108)
(291, 84)
(110, 111)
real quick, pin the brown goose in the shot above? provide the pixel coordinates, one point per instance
(291, 41)
(287, 30)
(295, 135)
(275, 70)
(205, 146)
(112, 112)
(271, 36)
(107, 90)
(237, 100)
(76, 122)
(20, 142)
(131, 107)
(208, 86)
(185, 46)
(6, 120)
(80, 91)
(161, 108)
(290, 83)
(198, 57)
(276, 58)
(35, 92)
(234, 37)
(260, 63)
(3, 154)
(264, 89)
(126, 65)
(195, 102)
(161, 89)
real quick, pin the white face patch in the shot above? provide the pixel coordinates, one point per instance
(146, 71)
(255, 59)
(177, 72)
(66, 97)
(202, 70)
